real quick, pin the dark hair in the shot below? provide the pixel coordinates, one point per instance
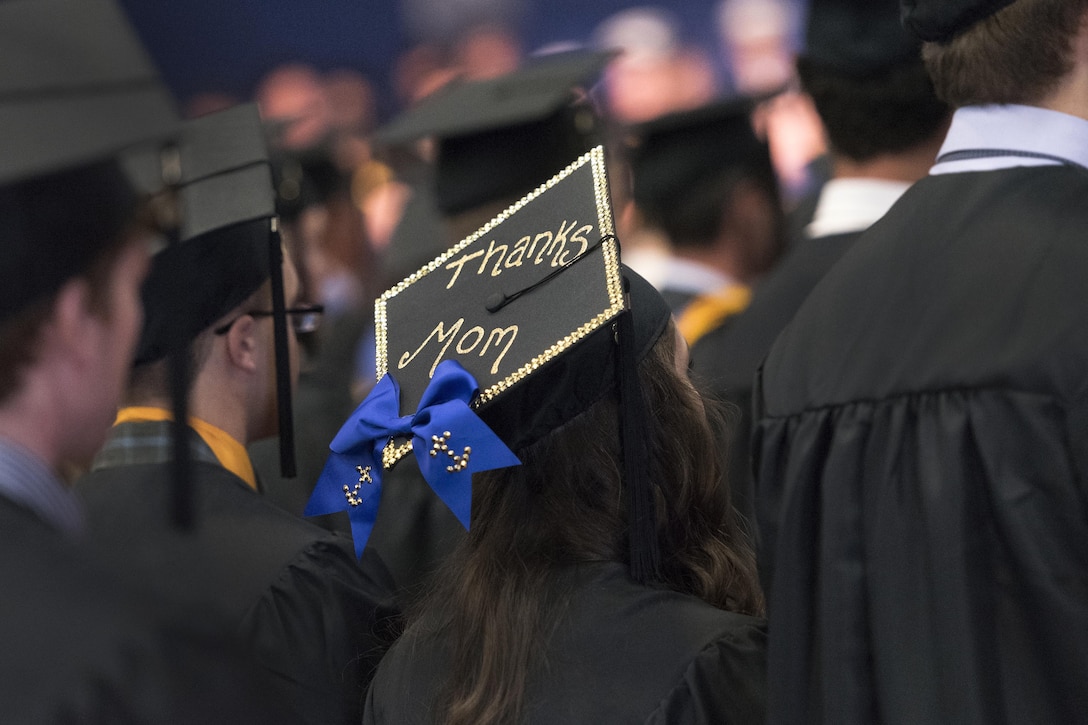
(150, 381)
(698, 218)
(888, 112)
(502, 594)
(1017, 55)
(88, 216)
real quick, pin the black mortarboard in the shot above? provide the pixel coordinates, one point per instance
(858, 38)
(536, 307)
(501, 137)
(228, 247)
(76, 87)
(940, 20)
(673, 154)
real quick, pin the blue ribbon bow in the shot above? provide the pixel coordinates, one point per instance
(449, 441)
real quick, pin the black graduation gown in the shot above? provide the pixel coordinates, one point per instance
(316, 618)
(76, 646)
(921, 462)
(725, 359)
(623, 653)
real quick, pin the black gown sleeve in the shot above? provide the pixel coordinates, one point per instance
(725, 684)
(322, 627)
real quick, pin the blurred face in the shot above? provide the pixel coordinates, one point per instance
(111, 337)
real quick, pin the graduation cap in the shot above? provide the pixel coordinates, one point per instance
(858, 38)
(76, 87)
(496, 342)
(227, 206)
(227, 247)
(674, 154)
(940, 20)
(501, 137)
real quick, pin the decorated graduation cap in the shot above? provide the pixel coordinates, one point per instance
(228, 246)
(675, 153)
(941, 20)
(858, 38)
(501, 137)
(501, 339)
(76, 88)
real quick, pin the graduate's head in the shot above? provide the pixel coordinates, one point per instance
(226, 284)
(76, 89)
(997, 51)
(865, 75)
(705, 179)
(497, 139)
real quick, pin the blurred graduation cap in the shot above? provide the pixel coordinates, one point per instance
(517, 324)
(858, 38)
(501, 137)
(941, 20)
(228, 246)
(76, 87)
(676, 153)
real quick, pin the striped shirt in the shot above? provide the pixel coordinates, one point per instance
(27, 481)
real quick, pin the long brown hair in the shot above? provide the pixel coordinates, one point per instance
(501, 595)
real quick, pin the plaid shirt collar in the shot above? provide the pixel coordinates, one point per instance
(145, 442)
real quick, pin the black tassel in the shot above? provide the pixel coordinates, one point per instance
(283, 359)
(645, 551)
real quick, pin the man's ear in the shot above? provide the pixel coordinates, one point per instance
(67, 329)
(242, 343)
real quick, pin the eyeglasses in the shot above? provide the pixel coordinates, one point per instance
(304, 318)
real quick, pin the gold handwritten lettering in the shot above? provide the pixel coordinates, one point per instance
(478, 331)
(459, 264)
(443, 336)
(492, 250)
(497, 336)
(516, 257)
(578, 236)
(466, 343)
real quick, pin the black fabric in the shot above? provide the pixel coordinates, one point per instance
(725, 359)
(921, 464)
(623, 654)
(474, 169)
(858, 38)
(940, 20)
(79, 647)
(55, 226)
(315, 618)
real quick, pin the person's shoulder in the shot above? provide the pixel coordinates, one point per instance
(725, 682)
(664, 625)
(80, 645)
